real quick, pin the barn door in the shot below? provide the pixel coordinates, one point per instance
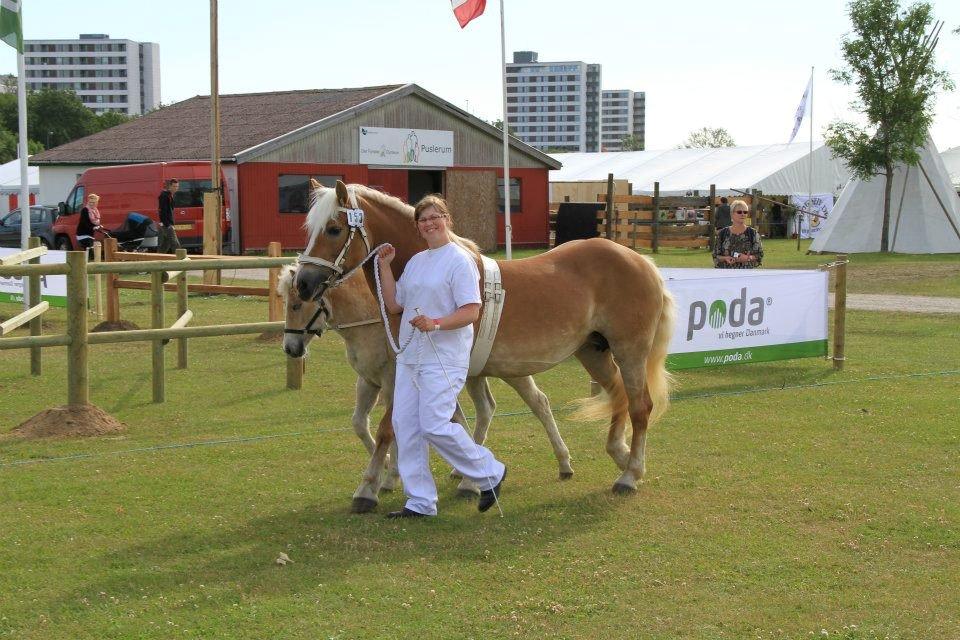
(472, 196)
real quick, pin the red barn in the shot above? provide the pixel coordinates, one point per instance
(400, 139)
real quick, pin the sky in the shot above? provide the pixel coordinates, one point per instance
(741, 65)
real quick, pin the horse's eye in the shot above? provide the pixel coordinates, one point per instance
(296, 307)
(333, 231)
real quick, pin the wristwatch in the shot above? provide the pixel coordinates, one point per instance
(436, 324)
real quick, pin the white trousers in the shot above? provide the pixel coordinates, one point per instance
(421, 417)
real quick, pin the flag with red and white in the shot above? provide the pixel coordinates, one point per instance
(467, 10)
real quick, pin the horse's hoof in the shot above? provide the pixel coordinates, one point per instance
(467, 494)
(566, 475)
(623, 489)
(363, 505)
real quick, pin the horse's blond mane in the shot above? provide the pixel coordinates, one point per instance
(323, 206)
(285, 281)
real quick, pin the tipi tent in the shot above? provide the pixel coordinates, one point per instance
(924, 212)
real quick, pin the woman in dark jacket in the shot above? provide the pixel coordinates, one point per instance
(89, 221)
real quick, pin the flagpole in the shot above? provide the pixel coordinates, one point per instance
(810, 167)
(507, 227)
(24, 171)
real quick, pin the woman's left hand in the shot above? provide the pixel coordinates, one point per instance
(423, 323)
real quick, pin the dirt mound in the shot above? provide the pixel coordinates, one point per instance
(270, 336)
(68, 421)
(122, 325)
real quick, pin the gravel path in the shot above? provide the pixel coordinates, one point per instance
(861, 301)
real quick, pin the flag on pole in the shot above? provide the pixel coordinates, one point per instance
(801, 110)
(466, 10)
(11, 30)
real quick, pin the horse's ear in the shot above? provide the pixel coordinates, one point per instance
(342, 195)
(314, 184)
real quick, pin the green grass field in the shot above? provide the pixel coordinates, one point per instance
(783, 500)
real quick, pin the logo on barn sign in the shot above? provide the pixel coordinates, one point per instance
(405, 147)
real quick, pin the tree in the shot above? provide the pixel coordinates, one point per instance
(498, 123)
(708, 137)
(57, 117)
(631, 143)
(109, 119)
(889, 58)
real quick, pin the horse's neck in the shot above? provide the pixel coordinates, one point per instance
(352, 302)
(396, 228)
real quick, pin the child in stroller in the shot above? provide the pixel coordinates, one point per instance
(137, 233)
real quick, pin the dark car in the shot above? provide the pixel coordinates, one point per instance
(41, 225)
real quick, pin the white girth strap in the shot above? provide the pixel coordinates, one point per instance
(493, 295)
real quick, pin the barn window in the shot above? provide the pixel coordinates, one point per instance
(295, 191)
(514, 195)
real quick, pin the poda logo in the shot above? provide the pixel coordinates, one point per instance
(738, 311)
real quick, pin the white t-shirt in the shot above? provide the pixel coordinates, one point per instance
(438, 282)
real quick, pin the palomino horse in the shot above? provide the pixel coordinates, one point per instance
(598, 301)
(350, 309)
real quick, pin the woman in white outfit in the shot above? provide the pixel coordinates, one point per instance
(439, 294)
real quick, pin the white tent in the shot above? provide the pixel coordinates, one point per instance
(10, 182)
(775, 169)
(951, 160)
(924, 212)
(10, 177)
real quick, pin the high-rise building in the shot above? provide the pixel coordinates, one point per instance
(554, 106)
(623, 114)
(107, 74)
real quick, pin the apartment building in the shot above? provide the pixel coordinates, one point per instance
(554, 106)
(623, 113)
(107, 74)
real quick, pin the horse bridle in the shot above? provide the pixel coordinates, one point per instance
(355, 218)
(355, 223)
(321, 308)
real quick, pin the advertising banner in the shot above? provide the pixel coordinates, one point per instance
(736, 316)
(406, 147)
(820, 203)
(53, 288)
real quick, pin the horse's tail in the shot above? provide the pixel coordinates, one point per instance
(658, 378)
(603, 405)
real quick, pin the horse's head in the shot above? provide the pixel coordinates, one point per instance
(303, 319)
(337, 239)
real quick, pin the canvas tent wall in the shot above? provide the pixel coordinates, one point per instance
(10, 182)
(924, 212)
(776, 169)
(951, 160)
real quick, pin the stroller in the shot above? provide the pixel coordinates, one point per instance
(137, 233)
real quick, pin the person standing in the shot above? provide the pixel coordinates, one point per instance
(738, 246)
(721, 216)
(89, 222)
(169, 242)
(439, 297)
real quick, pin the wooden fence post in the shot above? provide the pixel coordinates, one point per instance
(713, 215)
(182, 309)
(98, 281)
(36, 325)
(839, 312)
(78, 391)
(294, 373)
(656, 217)
(609, 228)
(113, 293)
(156, 304)
(274, 301)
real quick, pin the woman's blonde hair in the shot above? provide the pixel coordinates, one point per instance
(739, 205)
(94, 197)
(436, 201)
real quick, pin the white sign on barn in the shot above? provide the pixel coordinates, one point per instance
(406, 147)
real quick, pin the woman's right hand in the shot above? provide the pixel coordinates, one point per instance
(386, 255)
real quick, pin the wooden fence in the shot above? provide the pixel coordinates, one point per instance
(78, 340)
(115, 284)
(655, 221)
